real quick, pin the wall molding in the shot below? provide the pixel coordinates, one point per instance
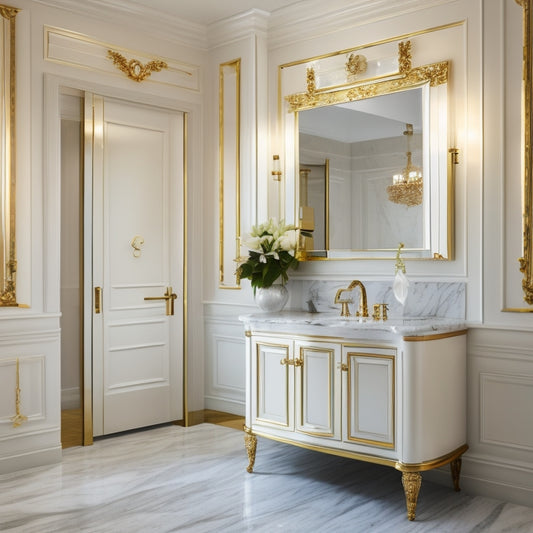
(169, 27)
(82, 51)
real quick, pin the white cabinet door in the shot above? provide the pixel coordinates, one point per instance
(272, 403)
(369, 396)
(317, 388)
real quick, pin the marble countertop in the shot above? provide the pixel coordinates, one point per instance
(352, 327)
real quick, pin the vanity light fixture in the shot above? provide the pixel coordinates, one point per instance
(407, 186)
(276, 168)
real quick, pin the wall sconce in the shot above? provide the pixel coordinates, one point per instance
(276, 168)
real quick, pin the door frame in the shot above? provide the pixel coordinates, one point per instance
(53, 85)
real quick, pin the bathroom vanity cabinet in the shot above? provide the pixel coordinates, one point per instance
(388, 393)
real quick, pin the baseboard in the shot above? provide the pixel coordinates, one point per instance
(226, 406)
(23, 461)
(70, 398)
(484, 478)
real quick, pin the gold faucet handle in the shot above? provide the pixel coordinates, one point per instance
(376, 315)
(345, 310)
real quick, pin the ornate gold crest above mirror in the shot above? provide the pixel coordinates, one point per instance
(371, 161)
(8, 262)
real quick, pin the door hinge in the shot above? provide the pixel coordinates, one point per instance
(98, 300)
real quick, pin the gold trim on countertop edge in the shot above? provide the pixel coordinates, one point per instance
(437, 336)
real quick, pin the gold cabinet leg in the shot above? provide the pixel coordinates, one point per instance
(250, 442)
(455, 467)
(411, 485)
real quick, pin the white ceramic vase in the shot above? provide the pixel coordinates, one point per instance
(272, 299)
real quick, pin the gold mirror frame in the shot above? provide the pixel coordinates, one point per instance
(407, 77)
(8, 262)
(526, 263)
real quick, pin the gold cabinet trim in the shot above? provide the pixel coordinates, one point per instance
(381, 444)
(258, 346)
(331, 416)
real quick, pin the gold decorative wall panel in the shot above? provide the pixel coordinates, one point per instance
(229, 173)
(8, 262)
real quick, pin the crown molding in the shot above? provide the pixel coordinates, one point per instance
(224, 32)
(168, 27)
(311, 18)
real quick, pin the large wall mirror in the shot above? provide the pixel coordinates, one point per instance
(372, 164)
(8, 263)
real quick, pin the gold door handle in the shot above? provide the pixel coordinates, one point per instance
(169, 297)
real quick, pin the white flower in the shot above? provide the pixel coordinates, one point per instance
(262, 258)
(252, 243)
(289, 240)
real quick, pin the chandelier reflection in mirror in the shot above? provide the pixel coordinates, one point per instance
(407, 186)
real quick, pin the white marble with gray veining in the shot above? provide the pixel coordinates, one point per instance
(331, 324)
(194, 479)
(446, 300)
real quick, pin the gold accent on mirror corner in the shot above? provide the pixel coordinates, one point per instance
(234, 65)
(526, 261)
(133, 68)
(8, 262)
(434, 74)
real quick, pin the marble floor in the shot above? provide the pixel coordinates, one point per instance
(194, 479)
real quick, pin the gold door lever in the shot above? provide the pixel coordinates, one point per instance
(169, 297)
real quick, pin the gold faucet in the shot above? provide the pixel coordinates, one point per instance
(363, 306)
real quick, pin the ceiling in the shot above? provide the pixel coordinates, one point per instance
(206, 12)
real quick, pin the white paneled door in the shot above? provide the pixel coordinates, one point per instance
(137, 264)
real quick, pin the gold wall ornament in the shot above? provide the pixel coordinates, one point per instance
(356, 64)
(19, 417)
(8, 263)
(133, 68)
(526, 261)
(311, 81)
(404, 57)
